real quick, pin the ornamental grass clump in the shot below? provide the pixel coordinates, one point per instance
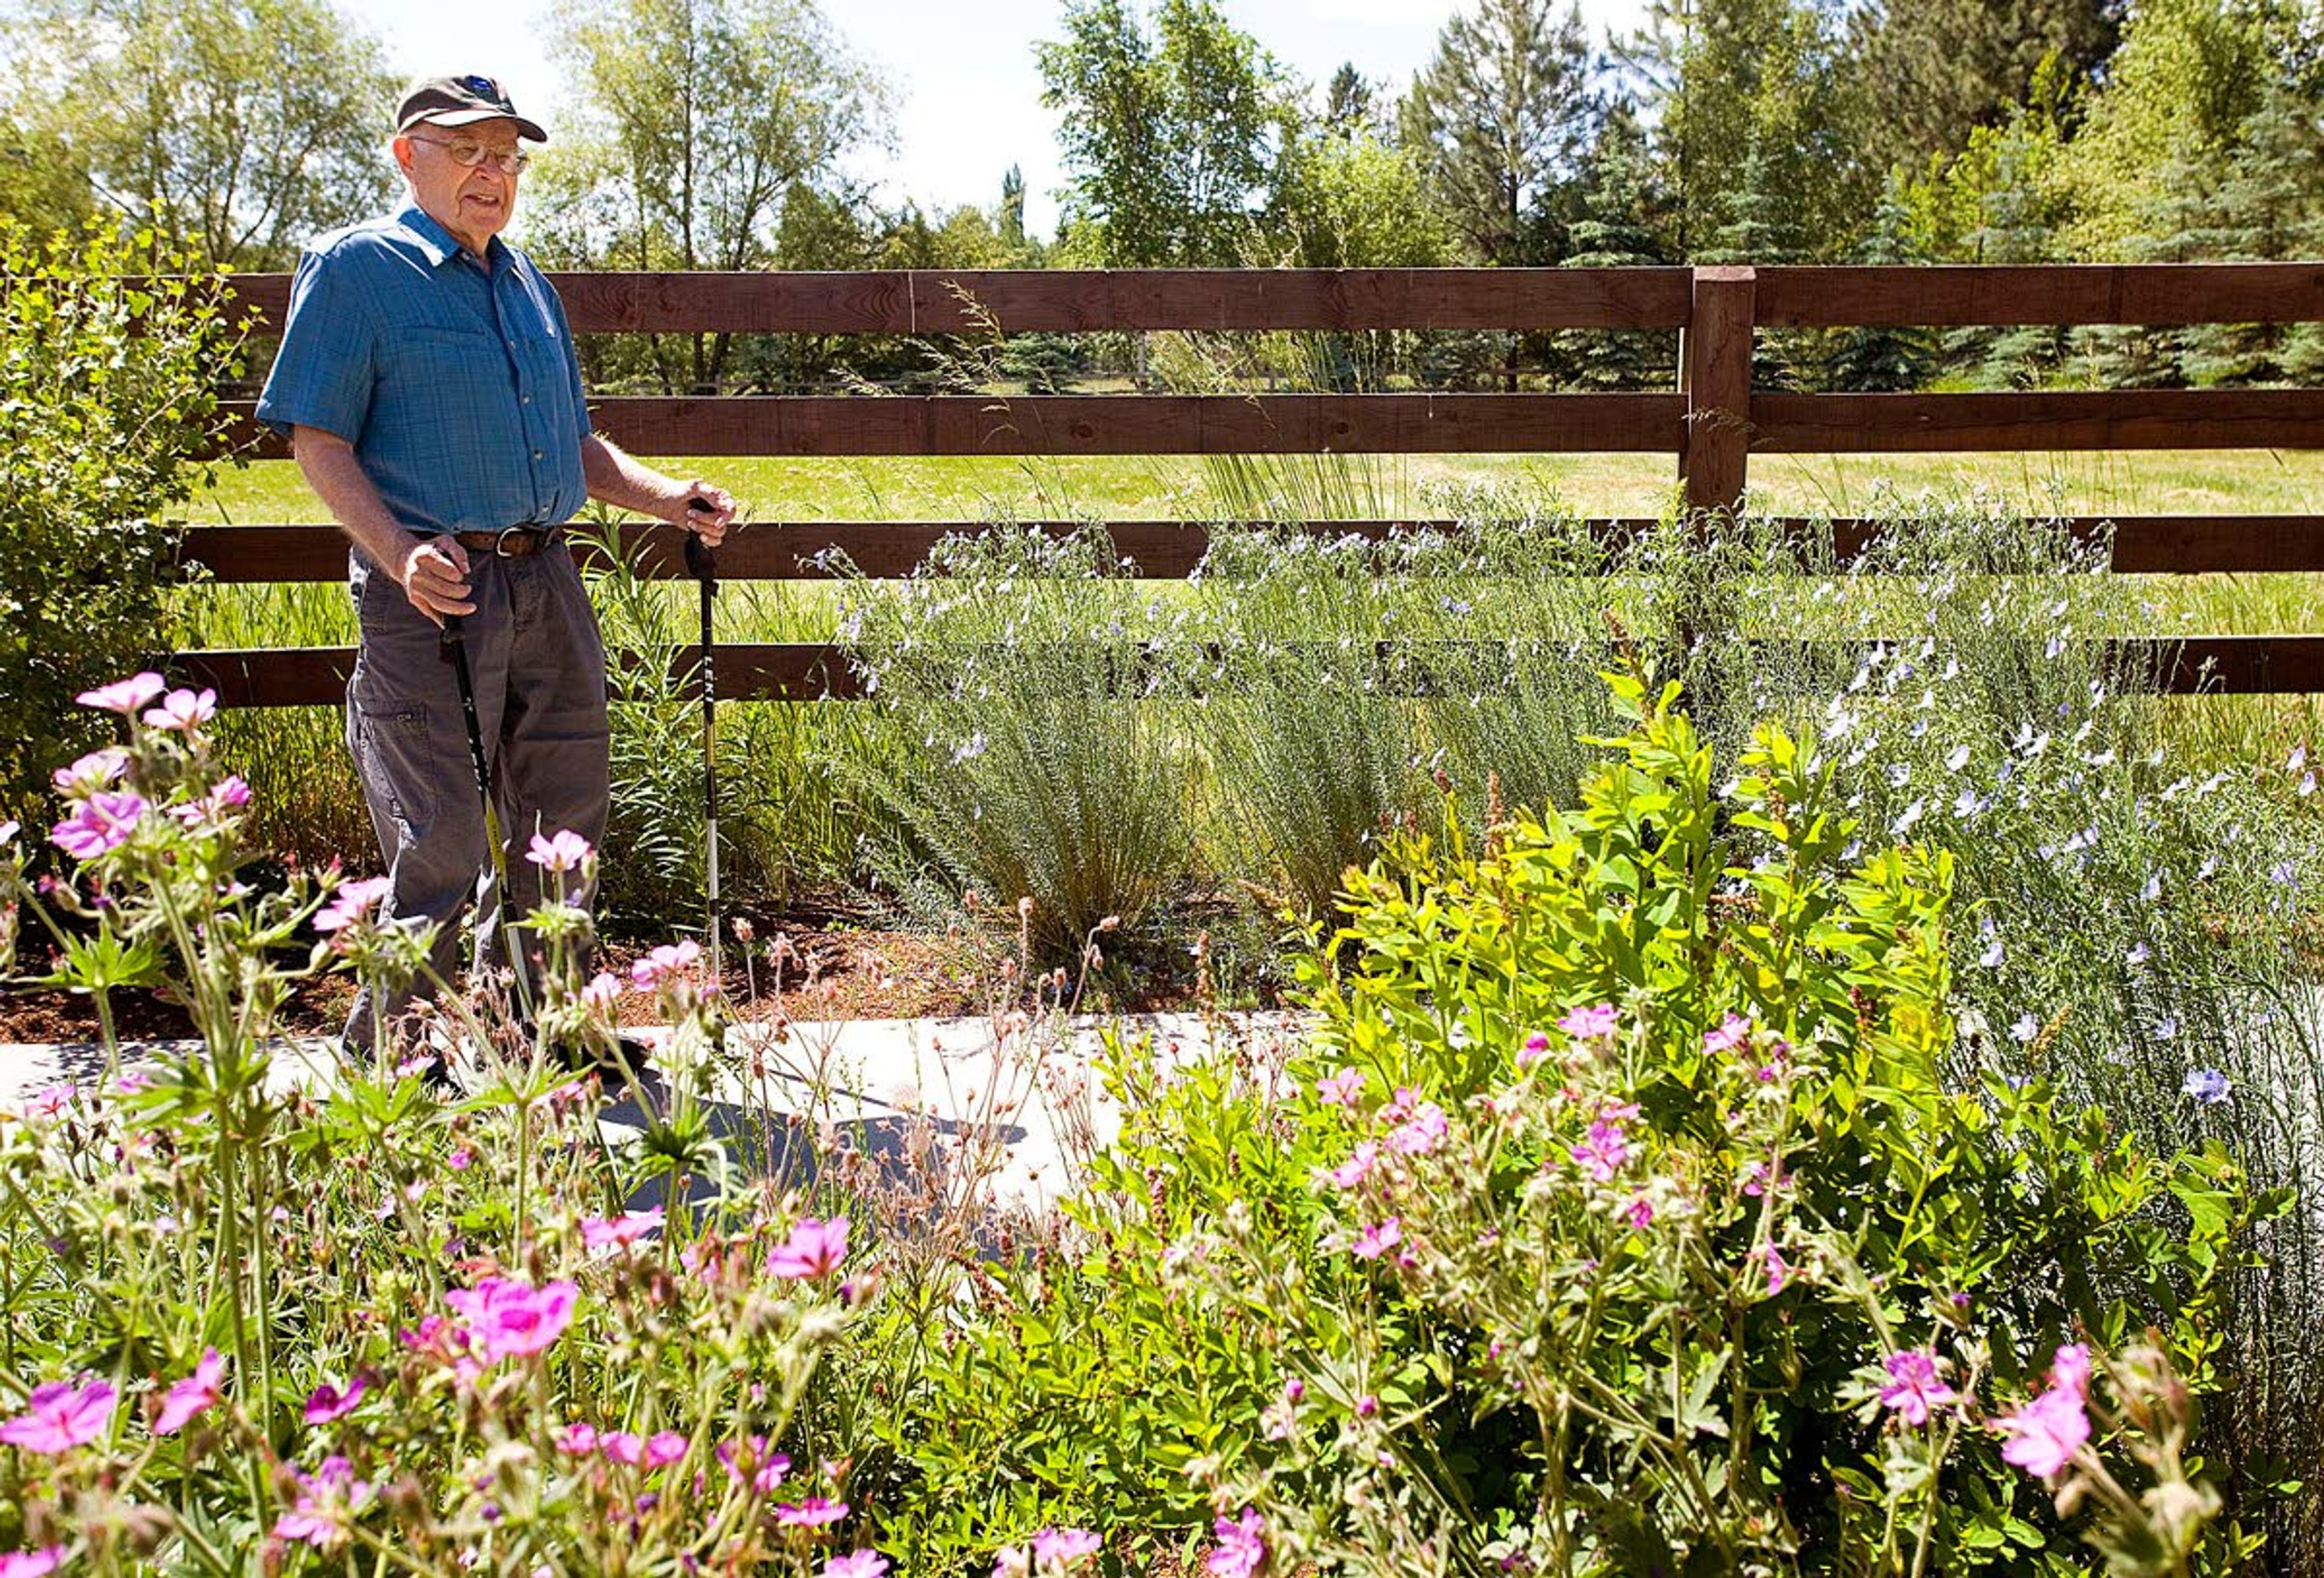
(1031, 690)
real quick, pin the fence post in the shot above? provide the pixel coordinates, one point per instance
(1715, 376)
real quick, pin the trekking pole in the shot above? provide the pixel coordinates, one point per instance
(456, 647)
(704, 566)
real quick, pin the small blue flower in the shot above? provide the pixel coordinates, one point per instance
(2137, 956)
(2026, 1028)
(1991, 957)
(2166, 1028)
(2207, 1086)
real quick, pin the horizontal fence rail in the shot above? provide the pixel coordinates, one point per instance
(1081, 301)
(1064, 425)
(812, 671)
(1711, 426)
(1169, 550)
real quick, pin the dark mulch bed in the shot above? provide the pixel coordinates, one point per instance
(838, 971)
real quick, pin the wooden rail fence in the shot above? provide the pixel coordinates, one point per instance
(1712, 426)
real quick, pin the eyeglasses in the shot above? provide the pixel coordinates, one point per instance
(469, 155)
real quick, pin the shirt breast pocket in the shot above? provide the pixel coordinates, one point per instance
(439, 390)
(546, 381)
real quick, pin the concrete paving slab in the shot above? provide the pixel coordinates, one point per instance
(1013, 1104)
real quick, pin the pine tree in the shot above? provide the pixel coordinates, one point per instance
(1762, 223)
(2175, 223)
(1613, 230)
(1012, 210)
(1724, 80)
(1498, 118)
(1348, 102)
(2267, 208)
(1928, 71)
(2017, 223)
(1876, 358)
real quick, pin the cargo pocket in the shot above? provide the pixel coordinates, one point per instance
(394, 760)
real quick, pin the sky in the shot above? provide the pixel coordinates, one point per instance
(968, 93)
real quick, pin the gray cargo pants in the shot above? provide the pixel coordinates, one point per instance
(539, 673)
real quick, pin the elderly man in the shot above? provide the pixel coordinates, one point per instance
(428, 384)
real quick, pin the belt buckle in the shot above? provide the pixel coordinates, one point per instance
(500, 543)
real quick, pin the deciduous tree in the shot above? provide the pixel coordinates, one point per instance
(235, 128)
(695, 120)
(1172, 133)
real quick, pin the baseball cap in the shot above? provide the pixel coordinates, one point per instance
(460, 101)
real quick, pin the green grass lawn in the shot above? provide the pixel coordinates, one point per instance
(970, 488)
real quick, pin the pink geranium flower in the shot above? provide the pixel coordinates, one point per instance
(567, 851)
(856, 1565)
(1056, 1549)
(1420, 1134)
(662, 963)
(98, 825)
(1639, 1213)
(2069, 1370)
(625, 1447)
(613, 1232)
(1779, 1270)
(327, 1402)
(1375, 1241)
(124, 696)
(193, 1395)
(351, 902)
(1585, 1024)
(508, 1318)
(1242, 1549)
(37, 1563)
(1604, 1151)
(2045, 1433)
(230, 793)
(813, 1512)
(752, 1462)
(1535, 1047)
(1357, 1166)
(666, 1448)
(60, 1417)
(815, 1250)
(1345, 1089)
(1914, 1387)
(97, 770)
(1731, 1033)
(327, 1499)
(577, 1439)
(183, 709)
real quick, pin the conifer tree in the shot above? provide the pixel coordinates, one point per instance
(2017, 223)
(2267, 208)
(1613, 230)
(1876, 358)
(1926, 72)
(1498, 118)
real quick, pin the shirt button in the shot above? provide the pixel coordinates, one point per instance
(526, 400)
(537, 455)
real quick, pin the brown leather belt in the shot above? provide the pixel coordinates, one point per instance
(511, 542)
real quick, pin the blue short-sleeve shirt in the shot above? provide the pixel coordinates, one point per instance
(458, 389)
